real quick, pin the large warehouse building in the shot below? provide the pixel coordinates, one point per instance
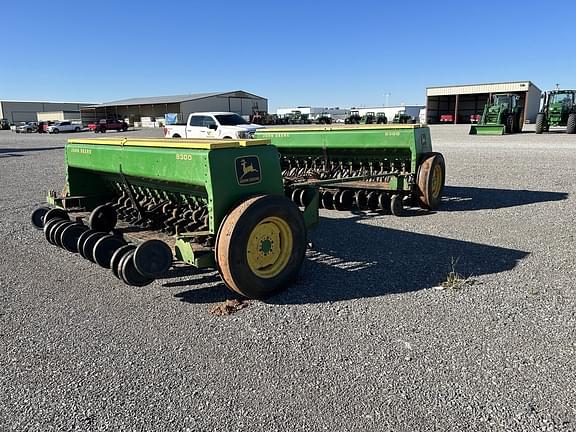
(464, 100)
(134, 110)
(25, 111)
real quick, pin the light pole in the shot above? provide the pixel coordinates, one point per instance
(387, 96)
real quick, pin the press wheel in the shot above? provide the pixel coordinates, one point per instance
(89, 243)
(70, 235)
(396, 205)
(49, 225)
(105, 247)
(128, 273)
(56, 213)
(117, 257)
(153, 258)
(103, 218)
(260, 246)
(56, 230)
(37, 217)
(81, 239)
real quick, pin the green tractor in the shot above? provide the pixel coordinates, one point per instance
(403, 118)
(353, 118)
(297, 117)
(324, 118)
(502, 115)
(368, 118)
(558, 109)
(381, 118)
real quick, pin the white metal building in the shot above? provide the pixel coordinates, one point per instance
(464, 100)
(314, 112)
(239, 101)
(24, 111)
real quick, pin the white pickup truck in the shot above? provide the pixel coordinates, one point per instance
(212, 125)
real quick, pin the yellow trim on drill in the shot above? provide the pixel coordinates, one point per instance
(198, 144)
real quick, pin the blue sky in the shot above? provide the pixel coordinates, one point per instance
(338, 53)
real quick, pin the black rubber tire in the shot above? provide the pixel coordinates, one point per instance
(77, 129)
(571, 124)
(57, 230)
(37, 217)
(540, 123)
(105, 248)
(175, 136)
(432, 164)
(49, 225)
(396, 205)
(56, 213)
(153, 258)
(360, 200)
(372, 201)
(70, 235)
(232, 245)
(56, 131)
(117, 257)
(103, 218)
(384, 202)
(327, 200)
(59, 234)
(346, 199)
(82, 239)
(89, 243)
(128, 273)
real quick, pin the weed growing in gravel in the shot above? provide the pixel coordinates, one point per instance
(454, 279)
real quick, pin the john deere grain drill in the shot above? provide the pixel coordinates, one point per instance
(130, 205)
(365, 167)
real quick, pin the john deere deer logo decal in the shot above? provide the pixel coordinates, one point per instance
(248, 170)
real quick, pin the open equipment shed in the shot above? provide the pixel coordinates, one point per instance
(240, 102)
(465, 100)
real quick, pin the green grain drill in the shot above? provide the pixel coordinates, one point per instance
(135, 205)
(367, 167)
(131, 205)
(558, 109)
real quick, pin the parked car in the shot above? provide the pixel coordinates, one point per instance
(63, 126)
(26, 127)
(475, 118)
(212, 125)
(108, 124)
(447, 118)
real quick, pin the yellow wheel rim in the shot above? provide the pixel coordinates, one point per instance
(269, 247)
(436, 180)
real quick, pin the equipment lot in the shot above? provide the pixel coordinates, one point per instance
(362, 342)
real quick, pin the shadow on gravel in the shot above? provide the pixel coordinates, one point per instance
(12, 151)
(366, 261)
(373, 261)
(472, 198)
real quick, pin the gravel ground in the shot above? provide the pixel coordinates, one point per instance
(363, 341)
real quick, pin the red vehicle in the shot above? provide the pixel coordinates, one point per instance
(475, 118)
(447, 118)
(108, 124)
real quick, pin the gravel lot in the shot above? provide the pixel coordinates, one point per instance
(362, 342)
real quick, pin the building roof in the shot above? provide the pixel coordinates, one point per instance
(45, 102)
(511, 86)
(170, 99)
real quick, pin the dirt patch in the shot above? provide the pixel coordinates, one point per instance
(229, 307)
